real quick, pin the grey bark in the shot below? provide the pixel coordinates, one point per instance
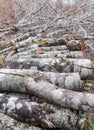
(51, 54)
(11, 79)
(28, 63)
(8, 123)
(63, 47)
(46, 115)
(59, 96)
(85, 67)
(56, 54)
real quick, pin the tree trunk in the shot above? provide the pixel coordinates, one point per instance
(51, 54)
(59, 96)
(85, 67)
(71, 54)
(12, 80)
(46, 115)
(8, 123)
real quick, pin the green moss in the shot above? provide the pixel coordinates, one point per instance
(91, 125)
(56, 55)
(55, 64)
(35, 41)
(89, 86)
(62, 58)
(46, 42)
(77, 47)
(3, 55)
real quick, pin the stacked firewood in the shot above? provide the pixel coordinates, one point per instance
(41, 82)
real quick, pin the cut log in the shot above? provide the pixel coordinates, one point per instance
(28, 63)
(27, 46)
(8, 123)
(26, 111)
(57, 42)
(52, 54)
(30, 53)
(66, 80)
(63, 47)
(59, 96)
(85, 67)
(22, 37)
(10, 79)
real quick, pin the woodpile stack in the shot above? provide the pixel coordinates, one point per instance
(41, 81)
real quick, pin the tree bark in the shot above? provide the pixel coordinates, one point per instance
(85, 67)
(12, 80)
(46, 115)
(28, 63)
(71, 54)
(59, 96)
(8, 123)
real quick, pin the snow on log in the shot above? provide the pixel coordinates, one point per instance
(59, 96)
(10, 79)
(47, 115)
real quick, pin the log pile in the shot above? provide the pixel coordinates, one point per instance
(41, 82)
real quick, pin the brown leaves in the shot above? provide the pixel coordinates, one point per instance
(2, 39)
(83, 46)
(87, 51)
(2, 57)
(48, 123)
(13, 46)
(14, 28)
(38, 52)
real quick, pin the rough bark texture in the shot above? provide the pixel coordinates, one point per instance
(46, 54)
(8, 123)
(59, 96)
(84, 66)
(13, 81)
(47, 115)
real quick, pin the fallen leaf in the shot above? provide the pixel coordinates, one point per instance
(83, 46)
(38, 52)
(14, 28)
